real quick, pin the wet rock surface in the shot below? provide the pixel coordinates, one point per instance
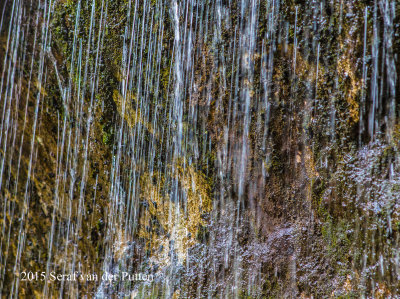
(236, 149)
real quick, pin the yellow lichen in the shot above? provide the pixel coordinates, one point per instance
(125, 109)
(382, 292)
(180, 220)
(345, 70)
(347, 285)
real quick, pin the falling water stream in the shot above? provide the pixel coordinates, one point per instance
(199, 148)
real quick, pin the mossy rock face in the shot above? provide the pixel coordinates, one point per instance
(232, 149)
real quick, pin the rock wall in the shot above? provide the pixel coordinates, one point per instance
(238, 149)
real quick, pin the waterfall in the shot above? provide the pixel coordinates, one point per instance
(199, 148)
